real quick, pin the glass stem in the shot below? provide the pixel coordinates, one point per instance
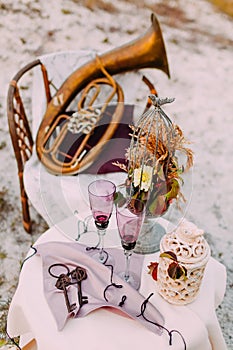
(128, 254)
(101, 234)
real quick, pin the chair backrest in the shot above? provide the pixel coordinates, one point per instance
(20, 129)
(35, 82)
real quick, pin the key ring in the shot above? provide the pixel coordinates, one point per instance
(58, 264)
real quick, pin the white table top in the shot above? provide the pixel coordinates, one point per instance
(30, 315)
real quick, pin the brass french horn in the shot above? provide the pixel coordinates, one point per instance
(147, 51)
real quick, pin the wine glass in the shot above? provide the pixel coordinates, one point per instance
(101, 197)
(130, 217)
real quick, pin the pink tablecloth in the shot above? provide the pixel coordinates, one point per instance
(30, 315)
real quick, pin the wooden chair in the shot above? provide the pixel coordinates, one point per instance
(147, 51)
(51, 72)
(20, 129)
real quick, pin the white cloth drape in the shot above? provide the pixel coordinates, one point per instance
(30, 315)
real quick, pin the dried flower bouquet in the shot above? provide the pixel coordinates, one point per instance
(154, 172)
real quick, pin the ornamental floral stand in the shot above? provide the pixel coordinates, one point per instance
(150, 237)
(154, 170)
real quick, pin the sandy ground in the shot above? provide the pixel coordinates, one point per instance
(199, 45)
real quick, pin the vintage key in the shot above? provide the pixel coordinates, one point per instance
(62, 283)
(79, 274)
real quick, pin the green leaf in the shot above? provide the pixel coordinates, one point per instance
(119, 198)
(169, 255)
(175, 187)
(158, 206)
(161, 174)
(3, 342)
(141, 195)
(176, 271)
(160, 187)
(136, 206)
(172, 270)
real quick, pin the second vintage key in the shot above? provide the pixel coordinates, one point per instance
(62, 283)
(79, 274)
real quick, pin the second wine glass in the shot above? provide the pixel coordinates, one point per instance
(101, 197)
(130, 217)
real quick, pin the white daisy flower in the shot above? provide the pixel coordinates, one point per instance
(144, 180)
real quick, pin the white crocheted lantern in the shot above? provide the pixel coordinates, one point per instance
(192, 252)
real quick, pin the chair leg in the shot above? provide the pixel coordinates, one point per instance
(26, 216)
(25, 206)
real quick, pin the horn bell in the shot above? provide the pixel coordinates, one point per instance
(146, 51)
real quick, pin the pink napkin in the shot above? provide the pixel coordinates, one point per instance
(99, 276)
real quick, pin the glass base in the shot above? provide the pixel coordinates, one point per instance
(105, 258)
(149, 238)
(133, 280)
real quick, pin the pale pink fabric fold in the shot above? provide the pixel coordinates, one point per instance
(98, 278)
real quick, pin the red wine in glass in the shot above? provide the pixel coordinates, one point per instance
(130, 217)
(101, 221)
(128, 242)
(101, 197)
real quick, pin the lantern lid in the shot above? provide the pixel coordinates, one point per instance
(188, 243)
